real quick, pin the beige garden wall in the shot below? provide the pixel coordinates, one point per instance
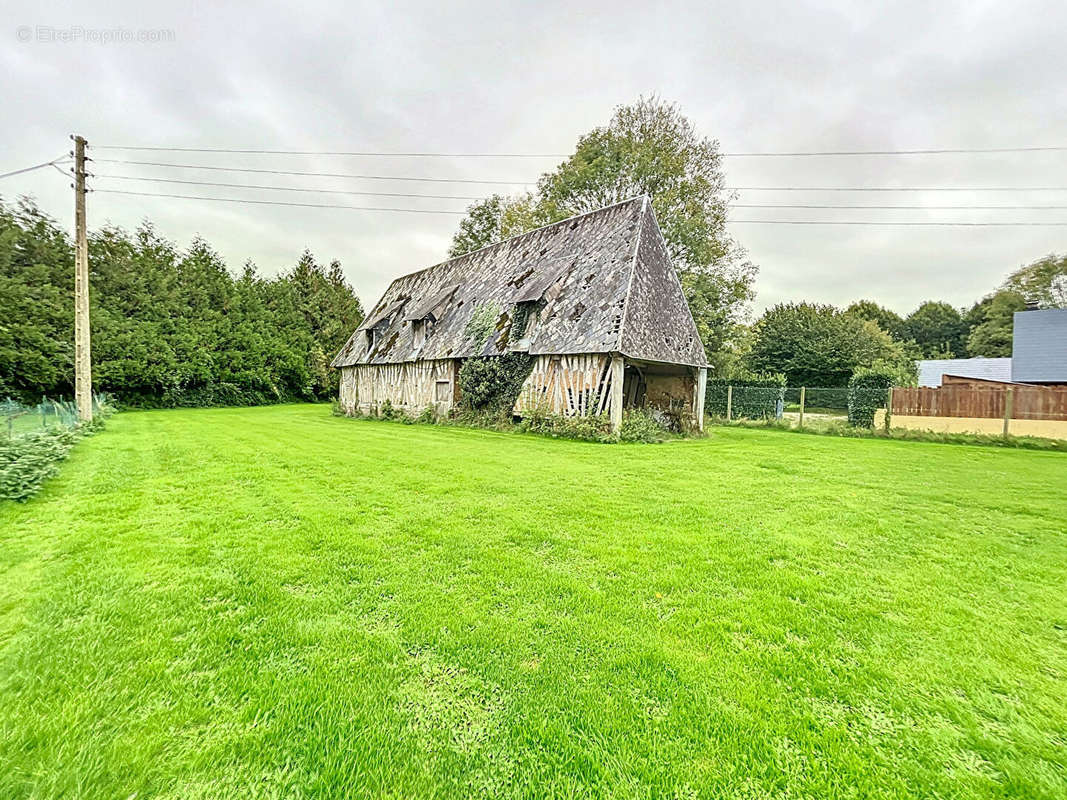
(1047, 428)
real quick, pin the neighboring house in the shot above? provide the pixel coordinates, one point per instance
(931, 371)
(1039, 346)
(593, 298)
(1038, 354)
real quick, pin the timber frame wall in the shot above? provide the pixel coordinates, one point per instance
(581, 384)
(575, 385)
(410, 385)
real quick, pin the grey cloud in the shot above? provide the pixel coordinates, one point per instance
(509, 76)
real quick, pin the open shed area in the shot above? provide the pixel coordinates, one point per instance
(276, 602)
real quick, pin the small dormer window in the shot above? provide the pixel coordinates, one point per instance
(525, 311)
(421, 330)
(374, 335)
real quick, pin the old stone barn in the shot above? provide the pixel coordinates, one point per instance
(593, 300)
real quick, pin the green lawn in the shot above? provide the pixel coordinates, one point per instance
(274, 602)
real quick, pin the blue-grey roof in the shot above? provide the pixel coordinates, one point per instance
(602, 282)
(990, 369)
(1039, 346)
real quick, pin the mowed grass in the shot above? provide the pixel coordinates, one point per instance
(274, 602)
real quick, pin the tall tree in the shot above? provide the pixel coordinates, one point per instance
(817, 345)
(889, 321)
(36, 290)
(650, 148)
(1043, 281)
(939, 330)
(170, 327)
(993, 323)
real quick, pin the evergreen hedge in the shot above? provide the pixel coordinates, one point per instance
(755, 395)
(868, 390)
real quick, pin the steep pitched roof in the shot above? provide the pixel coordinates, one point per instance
(602, 282)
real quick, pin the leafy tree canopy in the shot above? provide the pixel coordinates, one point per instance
(938, 329)
(817, 345)
(1044, 281)
(889, 321)
(993, 321)
(650, 148)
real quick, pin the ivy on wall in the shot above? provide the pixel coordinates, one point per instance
(493, 383)
(480, 325)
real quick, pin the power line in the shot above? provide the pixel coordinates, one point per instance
(906, 224)
(775, 154)
(310, 174)
(913, 208)
(289, 188)
(897, 188)
(475, 197)
(461, 213)
(928, 151)
(279, 202)
(518, 183)
(31, 169)
(246, 151)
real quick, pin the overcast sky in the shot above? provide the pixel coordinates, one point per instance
(506, 77)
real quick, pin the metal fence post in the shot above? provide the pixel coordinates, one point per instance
(729, 402)
(801, 423)
(1009, 407)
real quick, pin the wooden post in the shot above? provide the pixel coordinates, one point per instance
(729, 402)
(1009, 408)
(888, 408)
(802, 391)
(701, 390)
(83, 376)
(617, 371)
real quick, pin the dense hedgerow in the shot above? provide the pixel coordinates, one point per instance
(171, 327)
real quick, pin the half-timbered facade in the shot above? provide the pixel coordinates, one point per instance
(593, 298)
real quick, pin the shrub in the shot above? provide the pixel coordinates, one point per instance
(755, 395)
(867, 392)
(27, 461)
(493, 383)
(641, 425)
(387, 411)
(592, 428)
(428, 416)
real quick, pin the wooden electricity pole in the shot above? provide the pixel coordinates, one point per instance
(83, 376)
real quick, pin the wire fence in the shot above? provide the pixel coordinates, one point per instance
(17, 419)
(1010, 409)
(763, 402)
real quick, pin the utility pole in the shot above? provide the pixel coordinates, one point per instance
(83, 370)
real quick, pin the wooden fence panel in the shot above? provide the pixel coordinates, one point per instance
(1029, 402)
